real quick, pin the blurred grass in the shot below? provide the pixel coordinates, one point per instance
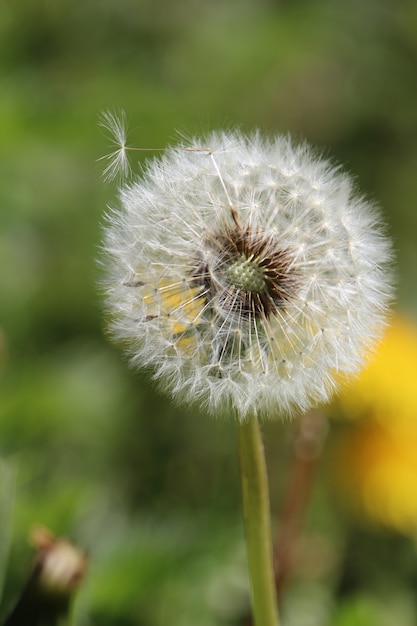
(152, 490)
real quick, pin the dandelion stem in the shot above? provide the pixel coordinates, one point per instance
(307, 447)
(257, 523)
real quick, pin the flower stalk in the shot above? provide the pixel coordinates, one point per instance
(257, 523)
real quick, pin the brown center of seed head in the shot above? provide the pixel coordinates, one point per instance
(247, 272)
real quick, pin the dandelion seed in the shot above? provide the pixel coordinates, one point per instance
(247, 275)
(118, 161)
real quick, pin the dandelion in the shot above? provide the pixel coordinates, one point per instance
(246, 274)
(376, 469)
(386, 389)
(375, 459)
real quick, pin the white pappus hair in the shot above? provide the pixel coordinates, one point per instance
(246, 274)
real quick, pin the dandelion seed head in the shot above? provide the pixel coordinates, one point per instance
(246, 274)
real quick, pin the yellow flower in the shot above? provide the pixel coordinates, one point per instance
(377, 456)
(178, 305)
(387, 388)
(380, 474)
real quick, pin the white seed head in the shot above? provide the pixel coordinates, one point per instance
(247, 275)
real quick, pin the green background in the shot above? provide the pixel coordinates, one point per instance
(88, 447)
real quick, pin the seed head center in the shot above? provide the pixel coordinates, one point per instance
(246, 274)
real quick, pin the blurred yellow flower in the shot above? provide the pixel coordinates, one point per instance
(387, 387)
(379, 474)
(177, 306)
(377, 455)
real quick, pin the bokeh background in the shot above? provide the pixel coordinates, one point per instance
(87, 446)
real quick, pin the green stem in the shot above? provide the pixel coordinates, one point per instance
(257, 523)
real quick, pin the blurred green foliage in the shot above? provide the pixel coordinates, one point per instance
(153, 491)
